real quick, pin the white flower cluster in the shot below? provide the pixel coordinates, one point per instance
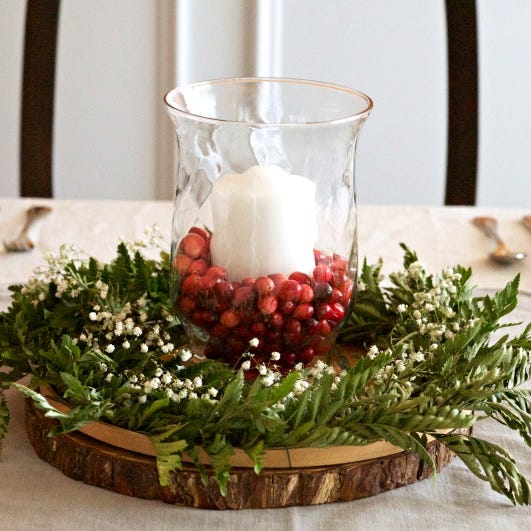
(432, 310)
(57, 271)
(431, 315)
(152, 239)
(268, 373)
(106, 330)
(170, 385)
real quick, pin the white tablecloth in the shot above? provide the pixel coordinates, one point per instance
(34, 495)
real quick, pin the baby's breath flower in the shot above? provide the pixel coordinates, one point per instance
(168, 347)
(109, 348)
(275, 356)
(373, 351)
(185, 355)
(300, 386)
(144, 348)
(93, 316)
(246, 365)
(126, 344)
(268, 379)
(417, 356)
(402, 308)
(142, 399)
(254, 342)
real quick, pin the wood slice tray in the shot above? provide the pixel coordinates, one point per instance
(336, 474)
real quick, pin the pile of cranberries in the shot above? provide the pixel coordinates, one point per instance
(291, 315)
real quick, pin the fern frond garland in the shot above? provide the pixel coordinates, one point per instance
(104, 337)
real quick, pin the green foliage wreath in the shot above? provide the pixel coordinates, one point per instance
(104, 337)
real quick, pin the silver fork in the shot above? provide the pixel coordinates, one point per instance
(24, 242)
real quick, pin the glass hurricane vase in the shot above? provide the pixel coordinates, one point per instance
(264, 246)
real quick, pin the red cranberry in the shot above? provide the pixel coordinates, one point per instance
(186, 304)
(331, 312)
(322, 273)
(301, 278)
(206, 283)
(278, 278)
(306, 356)
(264, 285)
(320, 328)
(322, 290)
(230, 319)
(346, 289)
(251, 374)
(242, 332)
(248, 281)
(287, 307)
(224, 291)
(292, 325)
(320, 258)
(259, 329)
(273, 339)
(197, 318)
(336, 296)
(324, 328)
(236, 347)
(322, 311)
(201, 232)
(338, 278)
(268, 304)
(291, 339)
(338, 312)
(303, 311)
(217, 273)
(339, 262)
(244, 296)
(219, 331)
(306, 293)
(208, 317)
(288, 358)
(276, 320)
(191, 284)
(197, 267)
(290, 291)
(182, 263)
(192, 245)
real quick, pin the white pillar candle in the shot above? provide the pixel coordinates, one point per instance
(264, 222)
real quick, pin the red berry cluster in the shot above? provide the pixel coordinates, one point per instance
(290, 315)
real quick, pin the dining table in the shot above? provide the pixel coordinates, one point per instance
(34, 495)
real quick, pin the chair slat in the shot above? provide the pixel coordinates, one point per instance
(462, 156)
(38, 83)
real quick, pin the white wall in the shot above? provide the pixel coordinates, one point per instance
(109, 114)
(505, 103)
(11, 43)
(394, 50)
(116, 61)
